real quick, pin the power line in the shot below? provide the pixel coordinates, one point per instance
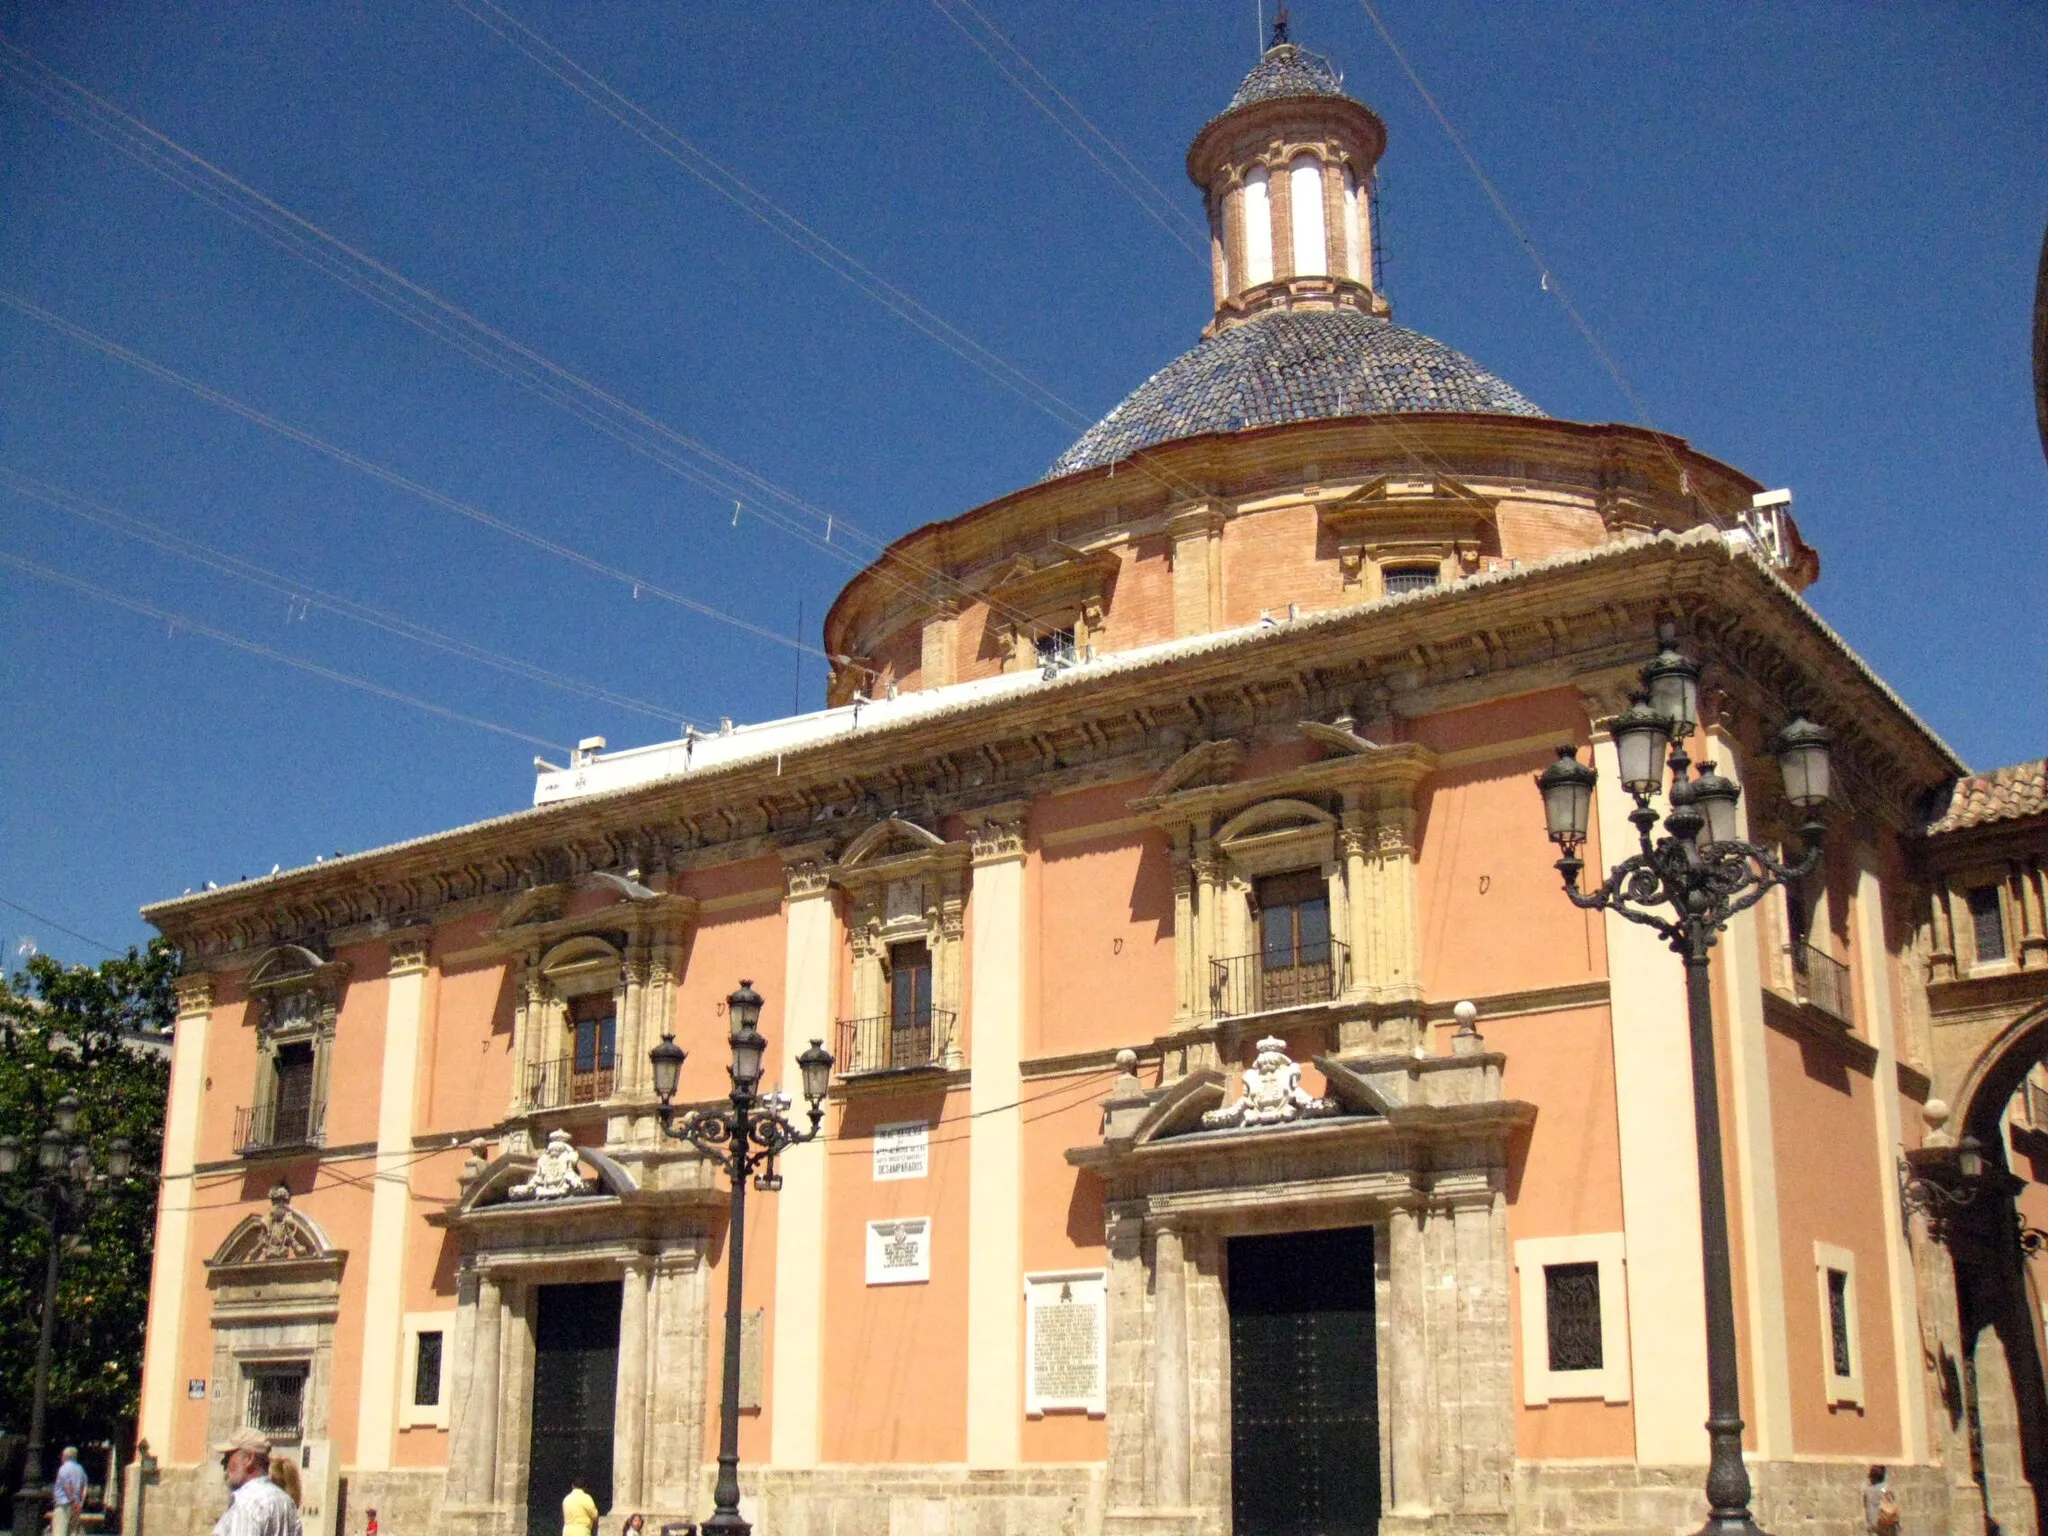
(435, 315)
(51, 922)
(303, 594)
(1143, 183)
(179, 621)
(1549, 280)
(639, 584)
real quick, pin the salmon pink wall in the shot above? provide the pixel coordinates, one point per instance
(469, 1048)
(745, 943)
(1824, 1139)
(1565, 1181)
(1269, 561)
(896, 1355)
(1104, 910)
(1063, 1229)
(1140, 607)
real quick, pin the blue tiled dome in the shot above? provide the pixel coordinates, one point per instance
(1292, 365)
(1286, 71)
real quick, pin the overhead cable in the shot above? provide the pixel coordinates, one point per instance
(302, 593)
(1137, 183)
(443, 319)
(179, 621)
(51, 922)
(639, 584)
(1548, 280)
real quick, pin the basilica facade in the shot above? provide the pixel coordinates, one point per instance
(1233, 1125)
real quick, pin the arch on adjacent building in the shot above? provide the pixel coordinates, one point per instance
(2005, 1374)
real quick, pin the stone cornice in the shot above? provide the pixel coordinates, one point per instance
(1633, 472)
(1495, 635)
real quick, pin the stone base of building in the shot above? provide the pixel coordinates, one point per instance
(1055, 1499)
(1582, 1498)
(1792, 1498)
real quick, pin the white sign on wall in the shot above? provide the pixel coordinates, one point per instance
(1065, 1342)
(900, 1251)
(902, 1150)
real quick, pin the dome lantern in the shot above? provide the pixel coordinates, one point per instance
(1286, 174)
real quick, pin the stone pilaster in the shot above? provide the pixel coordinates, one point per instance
(629, 1418)
(1169, 1420)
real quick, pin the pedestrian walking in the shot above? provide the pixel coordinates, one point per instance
(67, 1494)
(259, 1507)
(285, 1473)
(579, 1510)
(1880, 1505)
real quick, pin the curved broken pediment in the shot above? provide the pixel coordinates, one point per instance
(280, 1235)
(888, 838)
(539, 1183)
(1270, 816)
(547, 903)
(1209, 762)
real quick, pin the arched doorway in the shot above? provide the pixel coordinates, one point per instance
(2004, 1376)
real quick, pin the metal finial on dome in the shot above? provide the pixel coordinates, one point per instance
(1279, 27)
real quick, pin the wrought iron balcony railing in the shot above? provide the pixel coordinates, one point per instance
(559, 1083)
(279, 1127)
(1822, 980)
(1260, 983)
(887, 1043)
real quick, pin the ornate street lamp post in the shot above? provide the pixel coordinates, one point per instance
(1686, 885)
(61, 1189)
(743, 1138)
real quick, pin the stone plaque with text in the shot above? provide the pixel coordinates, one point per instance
(1065, 1342)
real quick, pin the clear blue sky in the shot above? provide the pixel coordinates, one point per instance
(1808, 234)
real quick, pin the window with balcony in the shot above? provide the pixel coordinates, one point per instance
(574, 1025)
(1987, 923)
(906, 892)
(1057, 648)
(294, 1001)
(293, 1095)
(594, 1020)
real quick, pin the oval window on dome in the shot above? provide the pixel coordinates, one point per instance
(1258, 229)
(1311, 240)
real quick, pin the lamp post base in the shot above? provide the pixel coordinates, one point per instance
(725, 1523)
(29, 1506)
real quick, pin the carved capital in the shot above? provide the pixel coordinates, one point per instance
(410, 954)
(807, 877)
(999, 836)
(195, 995)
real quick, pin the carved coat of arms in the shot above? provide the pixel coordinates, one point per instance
(1272, 1095)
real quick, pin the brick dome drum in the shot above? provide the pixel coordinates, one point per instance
(1288, 366)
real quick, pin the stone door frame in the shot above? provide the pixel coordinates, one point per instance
(1429, 1175)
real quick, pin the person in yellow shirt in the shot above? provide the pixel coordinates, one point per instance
(579, 1510)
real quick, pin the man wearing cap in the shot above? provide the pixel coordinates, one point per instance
(259, 1507)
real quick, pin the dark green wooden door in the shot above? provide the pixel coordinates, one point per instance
(575, 1396)
(1304, 1385)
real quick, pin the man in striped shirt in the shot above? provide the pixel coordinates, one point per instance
(259, 1507)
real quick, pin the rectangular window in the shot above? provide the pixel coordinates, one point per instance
(277, 1400)
(292, 1106)
(1838, 1321)
(1294, 939)
(910, 1004)
(594, 1019)
(1057, 647)
(1571, 1295)
(1410, 578)
(1987, 923)
(1841, 1353)
(426, 1370)
(1574, 1332)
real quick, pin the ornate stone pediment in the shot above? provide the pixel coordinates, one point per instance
(1272, 1094)
(280, 1235)
(886, 849)
(294, 990)
(554, 1178)
(1338, 740)
(1059, 579)
(1207, 763)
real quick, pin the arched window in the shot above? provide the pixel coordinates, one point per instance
(1311, 240)
(1354, 231)
(1258, 228)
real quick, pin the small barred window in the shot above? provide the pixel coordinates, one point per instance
(1838, 1321)
(1571, 1298)
(1987, 923)
(277, 1401)
(1410, 578)
(426, 1373)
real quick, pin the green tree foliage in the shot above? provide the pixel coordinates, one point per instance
(70, 1029)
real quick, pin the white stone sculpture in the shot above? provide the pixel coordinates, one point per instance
(1273, 1094)
(555, 1175)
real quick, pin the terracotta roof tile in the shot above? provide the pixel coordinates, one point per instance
(2003, 794)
